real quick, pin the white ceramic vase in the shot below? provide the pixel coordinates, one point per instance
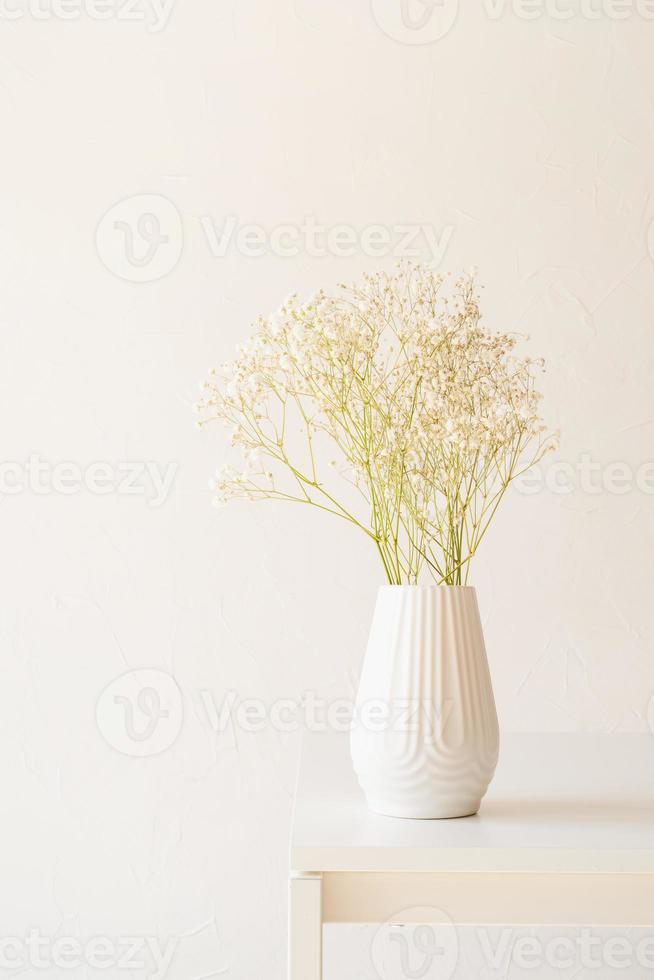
(425, 740)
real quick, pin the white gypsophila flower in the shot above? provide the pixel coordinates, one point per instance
(431, 414)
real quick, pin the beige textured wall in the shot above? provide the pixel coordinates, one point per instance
(523, 145)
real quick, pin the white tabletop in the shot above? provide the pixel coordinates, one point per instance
(560, 803)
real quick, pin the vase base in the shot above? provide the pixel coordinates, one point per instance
(434, 812)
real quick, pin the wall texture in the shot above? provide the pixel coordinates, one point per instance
(138, 146)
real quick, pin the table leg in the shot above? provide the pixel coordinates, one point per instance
(305, 927)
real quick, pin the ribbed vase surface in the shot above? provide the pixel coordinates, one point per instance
(425, 740)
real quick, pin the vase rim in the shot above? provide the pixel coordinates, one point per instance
(430, 587)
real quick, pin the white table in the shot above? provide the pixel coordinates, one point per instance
(565, 835)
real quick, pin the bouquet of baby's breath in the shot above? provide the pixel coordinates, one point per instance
(423, 414)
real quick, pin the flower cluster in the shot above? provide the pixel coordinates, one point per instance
(424, 414)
